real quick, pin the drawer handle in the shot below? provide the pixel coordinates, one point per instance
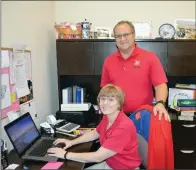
(189, 126)
(187, 151)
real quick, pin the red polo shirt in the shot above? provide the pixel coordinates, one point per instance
(135, 75)
(121, 137)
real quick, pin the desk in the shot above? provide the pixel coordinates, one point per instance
(68, 164)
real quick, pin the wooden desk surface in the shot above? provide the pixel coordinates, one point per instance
(68, 164)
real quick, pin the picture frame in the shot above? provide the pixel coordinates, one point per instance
(103, 33)
(185, 28)
(143, 30)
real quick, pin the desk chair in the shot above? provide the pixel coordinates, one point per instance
(154, 139)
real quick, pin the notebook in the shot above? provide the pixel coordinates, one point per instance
(27, 140)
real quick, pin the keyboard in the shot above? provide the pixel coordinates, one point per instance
(68, 128)
(41, 149)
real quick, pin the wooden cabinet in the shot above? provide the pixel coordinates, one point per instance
(184, 142)
(182, 58)
(159, 48)
(86, 57)
(101, 51)
(75, 58)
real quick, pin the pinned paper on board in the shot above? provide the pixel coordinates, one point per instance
(27, 64)
(29, 107)
(5, 61)
(13, 115)
(11, 69)
(5, 91)
(28, 97)
(13, 97)
(16, 80)
(20, 70)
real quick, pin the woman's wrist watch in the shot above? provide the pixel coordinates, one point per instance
(65, 155)
(160, 101)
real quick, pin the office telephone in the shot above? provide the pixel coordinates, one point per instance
(68, 127)
(60, 125)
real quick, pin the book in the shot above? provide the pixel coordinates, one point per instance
(82, 131)
(75, 107)
(186, 86)
(67, 95)
(186, 102)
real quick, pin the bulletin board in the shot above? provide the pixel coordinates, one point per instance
(12, 102)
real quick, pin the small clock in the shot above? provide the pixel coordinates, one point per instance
(167, 31)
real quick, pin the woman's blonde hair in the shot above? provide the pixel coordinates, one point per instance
(110, 90)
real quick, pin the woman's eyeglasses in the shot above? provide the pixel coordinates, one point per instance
(108, 99)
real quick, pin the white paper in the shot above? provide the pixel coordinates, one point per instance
(22, 91)
(12, 116)
(5, 91)
(12, 166)
(27, 64)
(12, 74)
(143, 29)
(29, 107)
(5, 61)
(20, 73)
(45, 125)
(19, 47)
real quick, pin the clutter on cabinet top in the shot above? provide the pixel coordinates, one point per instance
(82, 30)
(66, 30)
(86, 26)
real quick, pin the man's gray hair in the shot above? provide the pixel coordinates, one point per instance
(124, 22)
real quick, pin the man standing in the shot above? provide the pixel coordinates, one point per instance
(135, 70)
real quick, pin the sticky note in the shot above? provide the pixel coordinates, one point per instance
(52, 165)
(12, 166)
(13, 97)
(15, 106)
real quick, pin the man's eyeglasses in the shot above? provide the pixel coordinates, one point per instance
(125, 35)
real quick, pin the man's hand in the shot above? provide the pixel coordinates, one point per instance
(160, 109)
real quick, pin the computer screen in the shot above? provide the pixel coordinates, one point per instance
(23, 133)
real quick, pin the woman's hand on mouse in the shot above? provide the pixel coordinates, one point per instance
(67, 143)
(57, 152)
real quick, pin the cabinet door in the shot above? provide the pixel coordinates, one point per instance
(182, 58)
(101, 51)
(159, 48)
(75, 58)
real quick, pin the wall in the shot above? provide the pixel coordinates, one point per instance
(108, 13)
(32, 23)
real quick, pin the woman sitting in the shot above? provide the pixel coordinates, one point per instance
(116, 133)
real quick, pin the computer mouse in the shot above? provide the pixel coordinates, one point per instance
(59, 145)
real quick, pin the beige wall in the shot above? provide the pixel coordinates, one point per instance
(107, 13)
(32, 23)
